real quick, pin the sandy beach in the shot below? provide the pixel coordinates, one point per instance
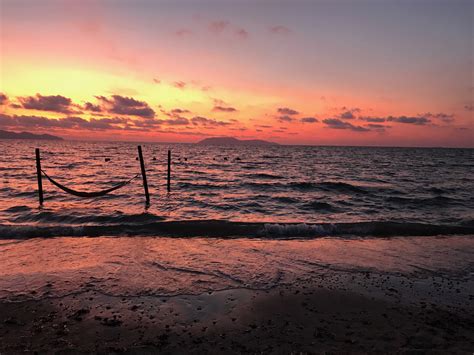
(378, 308)
(289, 319)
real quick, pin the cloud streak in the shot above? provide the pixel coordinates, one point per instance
(224, 109)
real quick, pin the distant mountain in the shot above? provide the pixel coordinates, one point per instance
(234, 141)
(27, 135)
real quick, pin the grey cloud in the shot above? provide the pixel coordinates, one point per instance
(70, 122)
(419, 121)
(75, 122)
(285, 118)
(415, 120)
(179, 121)
(88, 106)
(179, 111)
(373, 119)
(309, 119)
(348, 115)
(287, 111)
(203, 121)
(377, 127)
(224, 109)
(444, 117)
(123, 105)
(336, 123)
(52, 103)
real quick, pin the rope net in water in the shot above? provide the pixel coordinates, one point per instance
(88, 194)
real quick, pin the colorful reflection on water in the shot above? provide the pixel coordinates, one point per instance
(271, 184)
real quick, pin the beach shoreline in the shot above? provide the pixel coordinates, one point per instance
(169, 295)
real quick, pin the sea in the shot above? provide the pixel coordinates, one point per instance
(247, 217)
(264, 191)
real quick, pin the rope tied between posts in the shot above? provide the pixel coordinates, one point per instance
(88, 194)
(40, 172)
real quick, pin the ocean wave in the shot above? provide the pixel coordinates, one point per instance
(16, 209)
(327, 186)
(229, 229)
(321, 207)
(201, 186)
(285, 199)
(438, 201)
(264, 176)
(63, 218)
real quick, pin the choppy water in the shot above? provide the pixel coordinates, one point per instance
(323, 190)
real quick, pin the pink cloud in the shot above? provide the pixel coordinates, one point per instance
(241, 33)
(218, 27)
(280, 30)
(179, 84)
(183, 32)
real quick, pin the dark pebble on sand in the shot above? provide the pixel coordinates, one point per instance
(111, 322)
(11, 321)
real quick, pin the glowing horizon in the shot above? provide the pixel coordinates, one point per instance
(323, 73)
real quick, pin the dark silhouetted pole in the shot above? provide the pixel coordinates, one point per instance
(145, 184)
(39, 176)
(169, 170)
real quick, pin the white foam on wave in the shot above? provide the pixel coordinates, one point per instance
(298, 229)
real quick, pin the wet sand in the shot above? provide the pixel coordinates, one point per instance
(374, 306)
(307, 317)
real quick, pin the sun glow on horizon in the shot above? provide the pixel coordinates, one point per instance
(183, 75)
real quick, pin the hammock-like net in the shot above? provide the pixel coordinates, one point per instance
(88, 194)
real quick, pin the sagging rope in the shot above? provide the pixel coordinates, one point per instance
(88, 194)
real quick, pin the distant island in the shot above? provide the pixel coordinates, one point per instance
(27, 135)
(234, 141)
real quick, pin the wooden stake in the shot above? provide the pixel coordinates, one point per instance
(169, 170)
(145, 184)
(39, 176)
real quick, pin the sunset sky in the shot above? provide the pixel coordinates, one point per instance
(349, 72)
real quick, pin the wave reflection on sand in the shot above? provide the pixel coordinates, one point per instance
(168, 266)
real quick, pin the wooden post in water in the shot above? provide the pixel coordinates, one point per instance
(39, 176)
(169, 170)
(145, 183)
